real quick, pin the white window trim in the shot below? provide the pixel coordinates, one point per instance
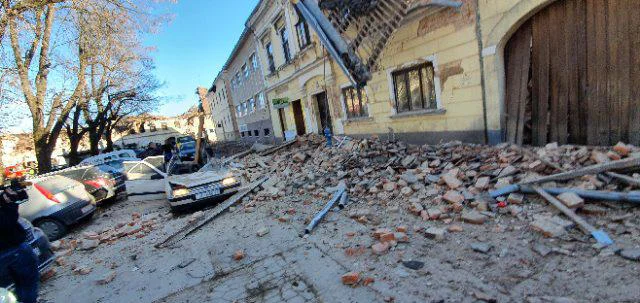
(436, 81)
(367, 91)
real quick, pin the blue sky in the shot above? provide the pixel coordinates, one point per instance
(194, 46)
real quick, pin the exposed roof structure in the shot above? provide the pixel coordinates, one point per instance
(355, 32)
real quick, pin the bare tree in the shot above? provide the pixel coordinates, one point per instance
(91, 54)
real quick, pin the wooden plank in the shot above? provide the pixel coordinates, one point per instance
(562, 73)
(572, 52)
(623, 67)
(524, 51)
(541, 47)
(209, 216)
(512, 76)
(613, 72)
(601, 70)
(634, 78)
(600, 236)
(582, 62)
(556, 61)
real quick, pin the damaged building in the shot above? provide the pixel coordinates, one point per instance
(423, 71)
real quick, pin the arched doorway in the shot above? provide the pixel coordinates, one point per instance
(573, 75)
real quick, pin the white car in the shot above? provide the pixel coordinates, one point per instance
(112, 158)
(147, 180)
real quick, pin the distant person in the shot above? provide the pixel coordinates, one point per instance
(17, 259)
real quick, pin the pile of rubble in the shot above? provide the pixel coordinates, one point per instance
(135, 228)
(448, 182)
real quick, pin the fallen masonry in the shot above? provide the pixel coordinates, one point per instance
(410, 204)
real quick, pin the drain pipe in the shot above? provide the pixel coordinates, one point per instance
(482, 75)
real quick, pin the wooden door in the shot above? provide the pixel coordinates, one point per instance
(298, 117)
(573, 75)
(323, 110)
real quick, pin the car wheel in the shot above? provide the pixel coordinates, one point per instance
(52, 228)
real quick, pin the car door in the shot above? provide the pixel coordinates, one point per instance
(144, 181)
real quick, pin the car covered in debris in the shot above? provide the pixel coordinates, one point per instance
(148, 180)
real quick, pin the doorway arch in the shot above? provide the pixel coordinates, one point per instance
(572, 75)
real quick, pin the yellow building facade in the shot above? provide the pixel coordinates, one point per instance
(441, 76)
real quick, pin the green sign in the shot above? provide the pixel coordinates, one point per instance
(280, 101)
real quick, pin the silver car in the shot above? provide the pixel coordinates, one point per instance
(55, 203)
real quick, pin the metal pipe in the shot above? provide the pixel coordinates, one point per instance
(344, 199)
(632, 197)
(325, 210)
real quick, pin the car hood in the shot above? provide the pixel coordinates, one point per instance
(199, 178)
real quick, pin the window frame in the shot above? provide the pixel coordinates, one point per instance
(407, 82)
(364, 107)
(254, 61)
(284, 39)
(302, 25)
(268, 47)
(245, 71)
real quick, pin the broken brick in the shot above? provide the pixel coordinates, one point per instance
(473, 217)
(380, 248)
(238, 255)
(453, 196)
(452, 181)
(515, 198)
(351, 278)
(571, 200)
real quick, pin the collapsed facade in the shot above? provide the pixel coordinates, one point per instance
(522, 71)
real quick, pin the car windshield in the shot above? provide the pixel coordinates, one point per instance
(188, 145)
(185, 139)
(106, 168)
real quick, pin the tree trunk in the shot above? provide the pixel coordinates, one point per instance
(74, 144)
(107, 137)
(94, 143)
(43, 152)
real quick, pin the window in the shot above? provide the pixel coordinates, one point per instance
(245, 71)
(414, 88)
(245, 109)
(252, 105)
(242, 134)
(249, 133)
(272, 65)
(238, 79)
(256, 133)
(254, 61)
(260, 98)
(267, 132)
(355, 102)
(303, 33)
(284, 36)
(238, 111)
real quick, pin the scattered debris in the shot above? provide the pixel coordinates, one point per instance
(415, 265)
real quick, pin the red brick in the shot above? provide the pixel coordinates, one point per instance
(622, 149)
(453, 196)
(387, 237)
(238, 255)
(351, 278)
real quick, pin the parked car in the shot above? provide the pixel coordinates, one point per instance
(187, 151)
(147, 180)
(55, 203)
(184, 139)
(41, 247)
(103, 182)
(107, 158)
